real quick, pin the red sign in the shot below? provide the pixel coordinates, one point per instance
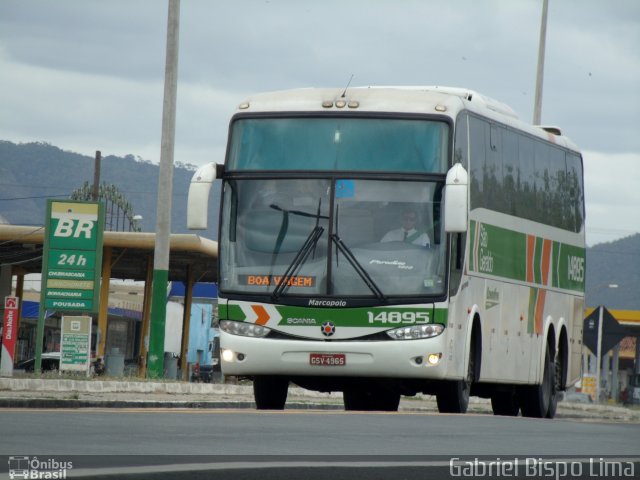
(9, 335)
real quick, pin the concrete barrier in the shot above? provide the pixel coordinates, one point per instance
(133, 386)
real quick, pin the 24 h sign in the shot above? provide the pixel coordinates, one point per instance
(73, 256)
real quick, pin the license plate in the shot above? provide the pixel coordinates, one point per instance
(328, 359)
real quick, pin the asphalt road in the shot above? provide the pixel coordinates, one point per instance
(239, 442)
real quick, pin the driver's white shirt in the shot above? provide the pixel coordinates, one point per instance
(398, 235)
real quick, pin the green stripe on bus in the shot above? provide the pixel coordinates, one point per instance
(533, 300)
(293, 316)
(537, 262)
(555, 271)
(502, 253)
(472, 242)
(355, 317)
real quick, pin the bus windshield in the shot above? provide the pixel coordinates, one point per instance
(339, 144)
(374, 238)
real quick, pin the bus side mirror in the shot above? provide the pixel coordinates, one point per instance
(198, 199)
(456, 200)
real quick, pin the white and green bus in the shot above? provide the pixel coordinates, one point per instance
(393, 241)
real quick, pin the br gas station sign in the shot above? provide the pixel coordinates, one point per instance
(73, 256)
(72, 261)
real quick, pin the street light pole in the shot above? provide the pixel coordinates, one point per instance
(537, 104)
(155, 361)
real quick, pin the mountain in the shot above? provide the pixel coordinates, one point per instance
(614, 263)
(30, 173)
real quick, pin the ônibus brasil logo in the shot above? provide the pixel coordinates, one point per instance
(328, 329)
(32, 467)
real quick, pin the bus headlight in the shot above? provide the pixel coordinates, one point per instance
(434, 358)
(416, 332)
(226, 355)
(244, 329)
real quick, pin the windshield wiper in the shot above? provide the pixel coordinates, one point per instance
(299, 212)
(298, 261)
(358, 267)
(285, 224)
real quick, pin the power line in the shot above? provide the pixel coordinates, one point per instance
(31, 185)
(175, 194)
(605, 230)
(597, 250)
(22, 236)
(22, 261)
(29, 198)
(21, 253)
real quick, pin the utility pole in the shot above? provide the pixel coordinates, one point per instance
(537, 106)
(96, 176)
(599, 352)
(155, 364)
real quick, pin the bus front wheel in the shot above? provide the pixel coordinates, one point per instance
(505, 403)
(359, 399)
(270, 393)
(453, 396)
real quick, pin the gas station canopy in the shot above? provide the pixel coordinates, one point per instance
(131, 253)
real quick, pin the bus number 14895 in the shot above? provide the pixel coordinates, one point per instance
(409, 318)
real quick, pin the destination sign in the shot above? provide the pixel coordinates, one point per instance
(273, 280)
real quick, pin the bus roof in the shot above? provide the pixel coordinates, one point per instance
(448, 101)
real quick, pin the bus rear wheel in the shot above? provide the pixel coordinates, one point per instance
(556, 386)
(540, 401)
(270, 393)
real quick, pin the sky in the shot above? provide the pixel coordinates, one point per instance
(87, 75)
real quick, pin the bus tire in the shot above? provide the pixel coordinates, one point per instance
(537, 400)
(371, 400)
(355, 400)
(453, 396)
(556, 386)
(505, 403)
(270, 393)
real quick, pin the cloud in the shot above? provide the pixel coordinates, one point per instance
(116, 38)
(202, 121)
(79, 111)
(247, 46)
(612, 196)
(88, 75)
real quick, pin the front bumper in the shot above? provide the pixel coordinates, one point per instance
(247, 356)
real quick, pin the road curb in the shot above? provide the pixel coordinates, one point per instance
(114, 404)
(117, 386)
(55, 403)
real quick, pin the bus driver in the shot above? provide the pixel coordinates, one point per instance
(408, 232)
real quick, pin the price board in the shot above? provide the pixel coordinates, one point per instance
(75, 343)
